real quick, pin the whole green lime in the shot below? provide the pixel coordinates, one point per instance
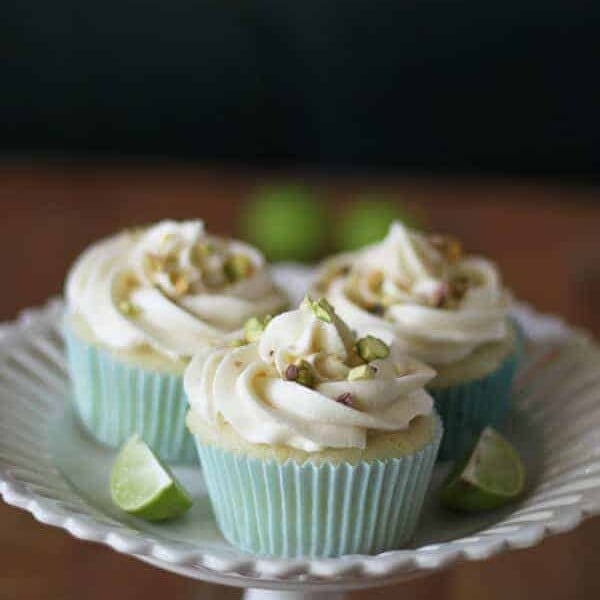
(286, 223)
(141, 485)
(368, 219)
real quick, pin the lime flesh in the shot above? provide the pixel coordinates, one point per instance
(492, 475)
(142, 486)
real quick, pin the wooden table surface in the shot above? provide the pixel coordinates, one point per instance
(544, 237)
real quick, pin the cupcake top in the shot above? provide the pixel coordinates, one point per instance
(423, 289)
(304, 380)
(170, 287)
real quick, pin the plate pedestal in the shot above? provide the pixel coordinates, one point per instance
(257, 594)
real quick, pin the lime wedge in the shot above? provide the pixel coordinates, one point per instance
(142, 486)
(488, 478)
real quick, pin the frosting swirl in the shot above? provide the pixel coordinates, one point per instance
(258, 388)
(171, 287)
(441, 304)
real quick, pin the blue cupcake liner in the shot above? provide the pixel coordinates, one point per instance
(468, 408)
(115, 399)
(293, 509)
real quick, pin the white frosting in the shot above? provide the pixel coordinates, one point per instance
(246, 387)
(172, 321)
(412, 276)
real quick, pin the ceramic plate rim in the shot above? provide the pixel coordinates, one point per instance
(86, 525)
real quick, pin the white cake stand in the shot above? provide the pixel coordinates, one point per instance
(51, 468)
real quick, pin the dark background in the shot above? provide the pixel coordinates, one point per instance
(409, 99)
(505, 87)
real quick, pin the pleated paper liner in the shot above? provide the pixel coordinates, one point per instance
(115, 399)
(467, 408)
(296, 509)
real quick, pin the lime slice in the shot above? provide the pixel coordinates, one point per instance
(488, 478)
(142, 486)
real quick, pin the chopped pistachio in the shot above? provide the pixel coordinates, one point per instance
(377, 309)
(439, 296)
(387, 300)
(236, 343)
(136, 230)
(320, 287)
(200, 251)
(154, 262)
(305, 374)
(167, 238)
(347, 399)
(449, 246)
(375, 280)
(160, 262)
(291, 372)
(180, 283)
(182, 286)
(129, 282)
(371, 348)
(459, 286)
(322, 309)
(454, 250)
(236, 267)
(353, 359)
(301, 373)
(362, 372)
(254, 327)
(129, 309)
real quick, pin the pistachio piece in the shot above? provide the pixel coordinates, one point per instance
(301, 373)
(454, 250)
(448, 246)
(387, 300)
(320, 286)
(236, 267)
(375, 281)
(377, 309)
(200, 251)
(166, 239)
(291, 372)
(154, 263)
(322, 309)
(136, 230)
(362, 372)
(254, 327)
(305, 375)
(371, 348)
(346, 399)
(437, 296)
(236, 343)
(129, 282)
(459, 287)
(129, 309)
(179, 282)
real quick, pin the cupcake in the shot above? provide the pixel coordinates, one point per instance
(445, 308)
(138, 305)
(312, 442)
